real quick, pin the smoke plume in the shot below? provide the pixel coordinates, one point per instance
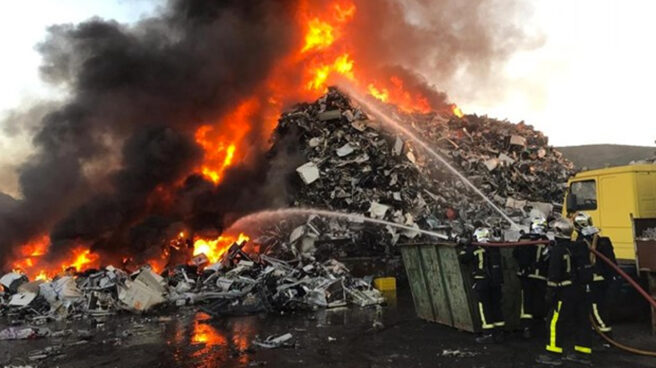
(114, 166)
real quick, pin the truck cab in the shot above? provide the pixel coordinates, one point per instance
(612, 197)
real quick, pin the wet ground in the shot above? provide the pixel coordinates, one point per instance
(349, 337)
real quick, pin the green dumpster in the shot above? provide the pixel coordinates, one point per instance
(442, 288)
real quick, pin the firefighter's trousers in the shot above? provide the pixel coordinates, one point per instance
(533, 307)
(602, 294)
(488, 305)
(568, 323)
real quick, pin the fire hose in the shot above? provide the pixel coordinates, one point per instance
(628, 278)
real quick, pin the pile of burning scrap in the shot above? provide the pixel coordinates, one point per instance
(238, 284)
(356, 164)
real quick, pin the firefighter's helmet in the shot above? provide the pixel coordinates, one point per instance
(538, 225)
(589, 231)
(581, 220)
(482, 235)
(562, 228)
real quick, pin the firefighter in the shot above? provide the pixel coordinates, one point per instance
(605, 282)
(568, 278)
(533, 262)
(488, 279)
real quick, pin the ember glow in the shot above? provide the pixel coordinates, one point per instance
(215, 248)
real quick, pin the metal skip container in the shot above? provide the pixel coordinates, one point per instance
(442, 287)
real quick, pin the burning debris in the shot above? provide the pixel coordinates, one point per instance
(239, 284)
(350, 163)
(157, 130)
(354, 164)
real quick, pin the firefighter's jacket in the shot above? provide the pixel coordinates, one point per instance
(532, 260)
(600, 270)
(485, 262)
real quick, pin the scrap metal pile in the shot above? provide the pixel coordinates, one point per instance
(648, 234)
(238, 284)
(356, 164)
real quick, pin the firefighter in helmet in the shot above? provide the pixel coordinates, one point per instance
(568, 278)
(605, 282)
(488, 279)
(533, 263)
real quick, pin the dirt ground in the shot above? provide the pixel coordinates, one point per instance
(348, 337)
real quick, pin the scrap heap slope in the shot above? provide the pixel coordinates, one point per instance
(350, 162)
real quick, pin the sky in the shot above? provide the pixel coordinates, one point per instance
(22, 26)
(589, 82)
(592, 81)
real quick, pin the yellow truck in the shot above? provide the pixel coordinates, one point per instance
(614, 197)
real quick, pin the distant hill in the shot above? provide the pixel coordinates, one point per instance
(596, 156)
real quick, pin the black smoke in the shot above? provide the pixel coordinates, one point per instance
(111, 165)
(138, 93)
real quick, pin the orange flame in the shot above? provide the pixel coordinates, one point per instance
(42, 276)
(324, 55)
(32, 263)
(380, 94)
(342, 65)
(344, 12)
(319, 35)
(221, 146)
(29, 255)
(457, 111)
(83, 259)
(332, 57)
(215, 248)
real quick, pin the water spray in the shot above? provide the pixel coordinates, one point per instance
(395, 125)
(247, 222)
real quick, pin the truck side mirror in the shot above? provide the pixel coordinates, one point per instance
(571, 203)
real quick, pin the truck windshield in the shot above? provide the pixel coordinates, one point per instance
(586, 194)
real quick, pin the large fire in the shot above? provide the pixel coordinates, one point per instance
(324, 55)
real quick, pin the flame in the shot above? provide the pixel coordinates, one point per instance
(324, 55)
(29, 254)
(215, 248)
(221, 146)
(83, 259)
(36, 267)
(342, 65)
(159, 264)
(320, 35)
(42, 276)
(380, 94)
(394, 91)
(457, 111)
(344, 12)
(331, 57)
